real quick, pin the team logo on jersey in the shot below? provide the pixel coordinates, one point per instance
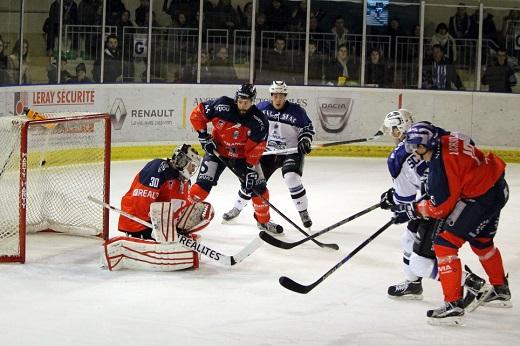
(222, 108)
(235, 134)
(220, 123)
(334, 112)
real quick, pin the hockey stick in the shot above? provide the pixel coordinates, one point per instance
(284, 245)
(324, 145)
(320, 244)
(299, 288)
(192, 244)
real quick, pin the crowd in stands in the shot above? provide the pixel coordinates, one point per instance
(278, 58)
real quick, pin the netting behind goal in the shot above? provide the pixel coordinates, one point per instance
(48, 168)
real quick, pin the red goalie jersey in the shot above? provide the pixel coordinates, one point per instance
(156, 182)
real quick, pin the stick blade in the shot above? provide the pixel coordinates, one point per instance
(271, 240)
(329, 246)
(292, 285)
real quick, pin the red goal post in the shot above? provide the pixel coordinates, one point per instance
(48, 168)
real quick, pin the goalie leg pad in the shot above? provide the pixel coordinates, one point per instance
(130, 253)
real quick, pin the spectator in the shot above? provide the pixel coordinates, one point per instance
(444, 39)
(340, 30)
(81, 75)
(315, 74)
(439, 73)
(124, 22)
(500, 76)
(508, 25)
(393, 30)
(155, 23)
(298, 17)
(114, 10)
(260, 26)
(180, 20)
(277, 58)
(226, 16)
(52, 71)
(112, 71)
(246, 16)
(277, 16)
(189, 73)
(341, 70)
(87, 15)
(70, 17)
(188, 7)
(376, 69)
(13, 63)
(140, 13)
(489, 30)
(222, 67)
(460, 23)
(4, 75)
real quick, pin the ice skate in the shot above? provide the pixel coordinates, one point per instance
(306, 219)
(407, 290)
(270, 227)
(230, 215)
(498, 296)
(450, 313)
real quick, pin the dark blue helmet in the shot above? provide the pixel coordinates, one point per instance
(424, 133)
(246, 91)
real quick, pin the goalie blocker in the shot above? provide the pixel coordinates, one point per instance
(169, 219)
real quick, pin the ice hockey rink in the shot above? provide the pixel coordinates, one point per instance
(62, 297)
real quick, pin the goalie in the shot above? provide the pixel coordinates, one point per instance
(161, 180)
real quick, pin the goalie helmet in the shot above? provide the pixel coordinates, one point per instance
(278, 87)
(194, 217)
(186, 160)
(401, 120)
(421, 133)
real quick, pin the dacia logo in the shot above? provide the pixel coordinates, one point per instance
(222, 108)
(333, 105)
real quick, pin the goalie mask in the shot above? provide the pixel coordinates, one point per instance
(186, 160)
(397, 122)
(194, 217)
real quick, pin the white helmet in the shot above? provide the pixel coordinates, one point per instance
(186, 159)
(402, 119)
(278, 87)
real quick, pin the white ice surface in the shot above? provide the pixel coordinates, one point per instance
(62, 297)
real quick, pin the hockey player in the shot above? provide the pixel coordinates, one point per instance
(408, 173)
(159, 181)
(289, 127)
(467, 187)
(238, 139)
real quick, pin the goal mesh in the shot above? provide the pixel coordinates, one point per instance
(47, 170)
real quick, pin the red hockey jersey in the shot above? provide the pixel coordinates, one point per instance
(460, 170)
(156, 182)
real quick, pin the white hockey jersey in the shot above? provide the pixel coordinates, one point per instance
(407, 171)
(287, 125)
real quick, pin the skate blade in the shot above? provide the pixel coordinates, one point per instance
(407, 297)
(503, 304)
(454, 321)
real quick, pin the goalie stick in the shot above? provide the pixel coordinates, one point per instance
(324, 145)
(299, 288)
(191, 244)
(320, 244)
(268, 238)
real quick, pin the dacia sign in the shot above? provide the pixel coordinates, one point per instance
(334, 112)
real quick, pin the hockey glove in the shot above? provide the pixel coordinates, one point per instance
(404, 212)
(250, 178)
(304, 146)
(387, 199)
(207, 142)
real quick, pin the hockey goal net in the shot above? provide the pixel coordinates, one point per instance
(48, 168)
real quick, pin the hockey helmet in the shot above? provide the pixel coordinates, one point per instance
(421, 133)
(185, 159)
(246, 91)
(278, 87)
(401, 120)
